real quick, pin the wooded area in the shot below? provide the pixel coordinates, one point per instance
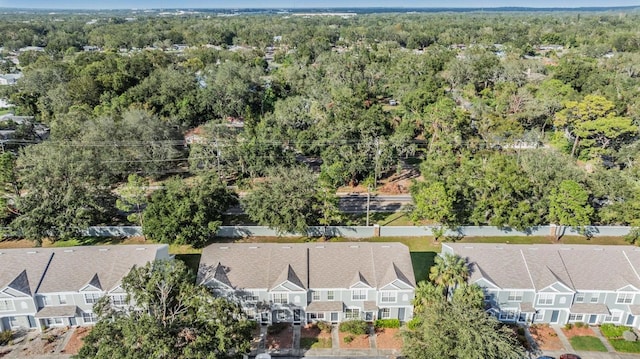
(512, 119)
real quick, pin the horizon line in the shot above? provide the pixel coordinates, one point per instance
(327, 7)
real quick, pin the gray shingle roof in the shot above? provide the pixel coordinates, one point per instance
(59, 311)
(579, 267)
(589, 308)
(325, 306)
(73, 268)
(315, 265)
(22, 269)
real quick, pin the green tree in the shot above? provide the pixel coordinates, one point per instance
(133, 197)
(173, 318)
(187, 214)
(569, 207)
(64, 191)
(289, 200)
(432, 202)
(449, 271)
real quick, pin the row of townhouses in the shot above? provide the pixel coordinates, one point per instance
(554, 283)
(277, 282)
(48, 287)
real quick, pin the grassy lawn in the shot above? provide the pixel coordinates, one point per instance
(191, 260)
(382, 218)
(315, 343)
(613, 331)
(586, 343)
(624, 346)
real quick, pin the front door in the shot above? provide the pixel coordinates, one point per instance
(401, 314)
(368, 316)
(593, 319)
(334, 317)
(630, 319)
(554, 316)
(296, 315)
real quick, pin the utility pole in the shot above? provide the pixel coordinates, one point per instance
(368, 201)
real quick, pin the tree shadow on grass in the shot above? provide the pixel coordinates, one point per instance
(422, 262)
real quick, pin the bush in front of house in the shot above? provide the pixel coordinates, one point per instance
(276, 328)
(387, 323)
(324, 326)
(6, 337)
(348, 339)
(357, 327)
(613, 331)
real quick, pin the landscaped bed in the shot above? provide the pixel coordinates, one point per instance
(388, 338)
(279, 336)
(582, 338)
(614, 334)
(545, 337)
(75, 342)
(311, 337)
(354, 335)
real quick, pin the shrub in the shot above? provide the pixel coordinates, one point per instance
(348, 339)
(581, 325)
(324, 326)
(520, 331)
(6, 337)
(387, 323)
(276, 328)
(568, 326)
(357, 327)
(613, 331)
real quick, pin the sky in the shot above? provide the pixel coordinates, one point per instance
(159, 4)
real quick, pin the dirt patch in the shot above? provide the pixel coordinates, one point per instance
(76, 341)
(545, 337)
(255, 337)
(312, 331)
(578, 332)
(359, 341)
(41, 343)
(281, 340)
(388, 338)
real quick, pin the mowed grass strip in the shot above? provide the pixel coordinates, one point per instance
(587, 343)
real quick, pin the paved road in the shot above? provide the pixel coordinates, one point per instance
(357, 203)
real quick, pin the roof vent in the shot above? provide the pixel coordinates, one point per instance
(385, 246)
(468, 247)
(103, 249)
(532, 248)
(286, 247)
(141, 249)
(32, 252)
(598, 249)
(354, 246)
(252, 247)
(565, 248)
(68, 250)
(319, 246)
(224, 247)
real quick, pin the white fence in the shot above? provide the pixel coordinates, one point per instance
(375, 231)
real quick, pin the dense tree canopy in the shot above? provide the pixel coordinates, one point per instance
(172, 318)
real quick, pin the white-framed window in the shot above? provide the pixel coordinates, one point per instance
(315, 295)
(45, 300)
(507, 315)
(250, 296)
(316, 316)
(53, 321)
(352, 313)
(13, 322)
(330, 295)
(579, 297)
(91, 298)
(539, 315)
(576, 317)
(89, 317)
(515, 296)
(614, 317)
(358, 294)
(546, 298)
(6, 305)
(625, 298)
(595, 298)
(389, 297)
(385, 313)
(62, 299)
(119, 299)
(250, 312)
(280, 298)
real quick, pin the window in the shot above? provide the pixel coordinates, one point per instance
(45, 300)
(316, 316)
(13, 322)
(359, 294)
(119, 299)
(89, 318)
(545, 298)
(280, 298)
(388, 297)
(579, 297)
(624, 298)
(539, 315)
(250, 296)
(595, 298)
(53, 321)
(385, 313)
(251, 313)
(515, 296)
(522, 317)
(62, 299)
(91, 298)
(316, 295)
(576, 317)
(6, 305)
(507, 315)
(613, 318)
(352, 313)
(330, 295)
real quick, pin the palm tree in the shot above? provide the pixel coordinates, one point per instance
(427, 294)
(449, 271)
(469, 295)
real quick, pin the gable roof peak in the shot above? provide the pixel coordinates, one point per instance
(220, 275)
(95, 282)
(21, 283)
(359, 278)
(288, 275)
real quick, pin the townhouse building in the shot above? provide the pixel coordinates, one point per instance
(47, 287)
(556, 284)
(308, 282)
